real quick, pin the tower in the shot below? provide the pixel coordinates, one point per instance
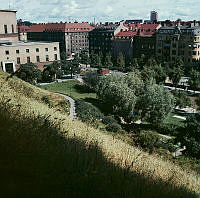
(154, 16)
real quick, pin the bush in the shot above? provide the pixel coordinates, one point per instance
(114, 127)
(148, 140)
(109, 120)
(87, 112)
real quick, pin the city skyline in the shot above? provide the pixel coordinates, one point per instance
(102, 10)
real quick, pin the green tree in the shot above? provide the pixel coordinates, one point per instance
(175, 75)
(108, 61)
(52, 72)
(133, 64)
(120, 63)
(29, 73)
(156, 104)
(91, 79)
(84, 57)
(72, 66)
(121, 98)
(190, 136)
(194, 80)
(134, 81)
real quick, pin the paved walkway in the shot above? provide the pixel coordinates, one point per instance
(72, 106)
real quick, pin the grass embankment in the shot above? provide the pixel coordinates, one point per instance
(46, 154)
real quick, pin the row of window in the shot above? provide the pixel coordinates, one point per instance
(37, 59)
(28, 50)
(190, 53)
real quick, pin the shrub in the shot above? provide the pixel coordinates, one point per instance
(87, 112)
(114, 127)
(148, 140)
(109, 120)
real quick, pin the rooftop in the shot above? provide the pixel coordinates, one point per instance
(20, 43)
(61, 27)
(8, 11)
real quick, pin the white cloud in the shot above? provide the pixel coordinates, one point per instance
(103, 10)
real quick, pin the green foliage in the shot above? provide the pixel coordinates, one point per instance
(175, 74)
(84, 57)
(135, 82)
(29, 73)
(108, 61)
(190, 136)
(133, 65)
(108, 120)
(120, 63)
(52, 72)
(114, 127)
(121, 98)
(148, 140)
(91, 79)
(87, 112)
(198, 102)
(194, 80)
(156, 103)
(71, 66)
(182, 100)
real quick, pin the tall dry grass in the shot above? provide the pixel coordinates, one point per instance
(46, 154)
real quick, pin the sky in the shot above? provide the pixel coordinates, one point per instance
(101, 10)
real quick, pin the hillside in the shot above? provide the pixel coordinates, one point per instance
(46, 154)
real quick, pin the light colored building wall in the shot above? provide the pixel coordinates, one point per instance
(8, 26)
(30, 50)
(8, 18)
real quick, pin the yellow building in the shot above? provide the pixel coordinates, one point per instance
(178, 42)
(14, 52)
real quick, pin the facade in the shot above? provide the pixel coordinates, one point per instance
(101, 38)
(137, 40)
(73, 37)
(35, 52)
(154, 16)
(8, 26)
(14, 52)
(178, 42)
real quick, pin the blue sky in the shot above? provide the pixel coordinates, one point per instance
(102, 10)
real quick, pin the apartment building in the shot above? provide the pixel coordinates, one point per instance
(100, 38)
(73, 37)
(14, 52)
(137, 40)
(178, 42)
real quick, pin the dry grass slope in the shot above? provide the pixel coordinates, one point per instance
(46, 154)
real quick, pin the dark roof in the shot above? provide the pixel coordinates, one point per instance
(8, 11)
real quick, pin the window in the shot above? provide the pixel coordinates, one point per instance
(27, 50)
(46, 49)
(194, 53)
(55, 48)
(56, 56)
(37, 50)
(47, 57)
(7, 52)
(28, 59)
(13, 31)
(18, 60)
(37, 58)
(17, 51)
(6, 29)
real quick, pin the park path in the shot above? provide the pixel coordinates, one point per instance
(72, 106)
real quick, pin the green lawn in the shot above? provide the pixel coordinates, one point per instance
(175, 121)
(71, 88)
